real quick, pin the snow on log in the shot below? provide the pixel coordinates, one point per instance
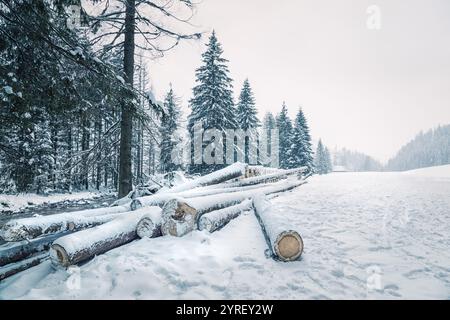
(13, 268)
(180, 216)
(83, 245)
(150, 224)
(216, 220)
(154, 200)
(233, 171)
(11, 253)
(286, 244)
(267, 178)
(31, 228)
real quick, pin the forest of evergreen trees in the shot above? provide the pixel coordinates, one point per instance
(77, 109)
(431, 148)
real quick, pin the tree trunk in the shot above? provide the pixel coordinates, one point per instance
(285, 244)
(17, 267)
(83, 245)
(150, 224)
(21, 251)
(180, 216)
(216, 220)
(31, 228)
(126, 123)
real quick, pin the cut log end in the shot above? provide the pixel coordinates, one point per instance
(289, 246)
(59, 256)
(146, 228)
(179, 218)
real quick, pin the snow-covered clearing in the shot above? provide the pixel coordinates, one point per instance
(366, 235)
(16, 203)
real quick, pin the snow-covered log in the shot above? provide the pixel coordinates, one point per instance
(154, 200)
(13, 268)
(255, 180)
(83, 245)
(31, 228)
(180, 216)
(150, 224)
(216, 220)
(10, 253)
(233, 171)
(286, 244)
(271, 177)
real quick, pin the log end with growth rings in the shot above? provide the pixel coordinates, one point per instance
(179, 218)
(146, 228)
(59, 256)
(289, 246)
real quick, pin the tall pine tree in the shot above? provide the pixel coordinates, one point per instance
(300, 152)
(322, 159)
(284, 126)
(212, 103)
(169, 126)
(247, 118)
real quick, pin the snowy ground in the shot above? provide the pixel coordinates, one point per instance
(366, 235)
(15, 203)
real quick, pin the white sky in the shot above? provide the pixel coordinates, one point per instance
(367, 90)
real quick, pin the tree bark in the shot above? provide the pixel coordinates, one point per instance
(21, 251)
(31, 228)
(284, 243)
(180, 216)
(17, 267)
(126, 123)
(216, 220)
(81, 246)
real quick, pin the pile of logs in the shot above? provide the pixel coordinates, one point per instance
(206, 203)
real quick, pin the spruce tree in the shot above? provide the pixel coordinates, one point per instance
(212, 103)
(328, 163)
(300, 151)
(247, 117)
(320, 158)
(169, 126)
(284, 126)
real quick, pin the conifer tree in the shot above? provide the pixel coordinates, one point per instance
(212, 103)
(247, 119)
(284, 126)
(300, 151)
(169, 126)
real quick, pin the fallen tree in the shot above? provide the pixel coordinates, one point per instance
(216, 220)
(31, 228)
(233, 171)
(180, 216)
(13, 268)
(25, 249)
(81, 246)
(284, 243)
(261, 179)
(150, 224)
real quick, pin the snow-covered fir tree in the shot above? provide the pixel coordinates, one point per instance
(300, 151)
(212, 103)
(322, 159)
(169, 126)
(247, 118)
(284, 125)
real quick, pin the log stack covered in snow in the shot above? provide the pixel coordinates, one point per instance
(206, 203)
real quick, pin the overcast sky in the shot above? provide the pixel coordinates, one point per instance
(364, 89)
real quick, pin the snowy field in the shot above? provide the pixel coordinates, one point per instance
(366, 235)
